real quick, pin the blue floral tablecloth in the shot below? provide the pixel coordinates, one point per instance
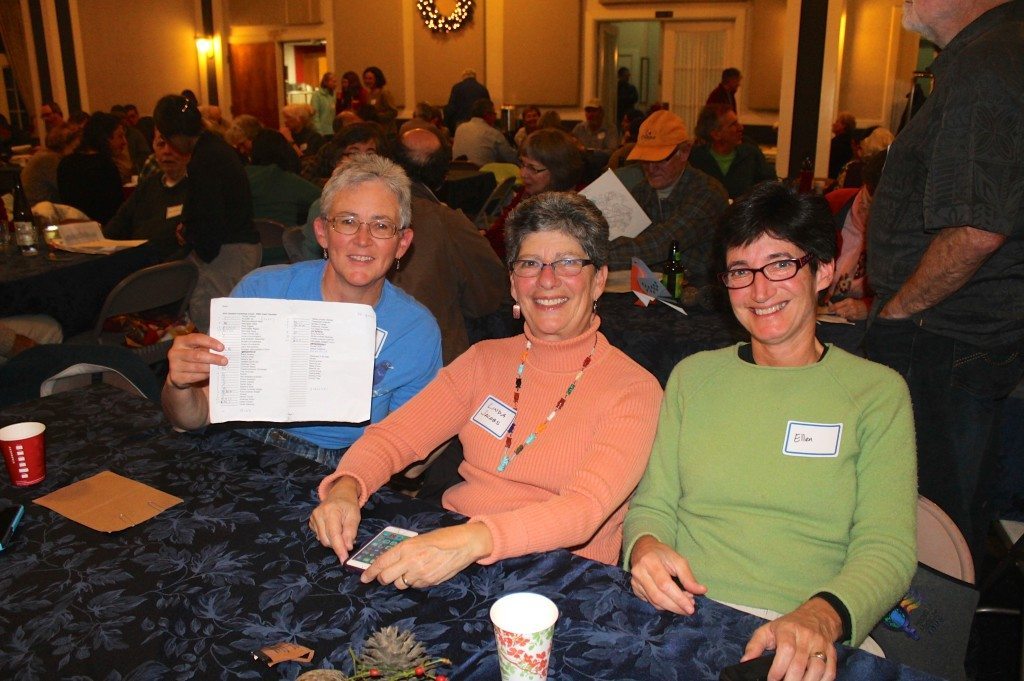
(188, 594)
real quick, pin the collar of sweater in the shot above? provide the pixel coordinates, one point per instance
(565, 356)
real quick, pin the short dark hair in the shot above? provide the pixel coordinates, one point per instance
(567, 212)
(707, 121)
(378, 75)
(622, 71)
(430, 169)
(131, 107)
(269, 147)
(481, 108)
(781, 212)
(559, 153)
(177, 115)
(97, 132)
(354, 133)
(730, 73)
(54, 107)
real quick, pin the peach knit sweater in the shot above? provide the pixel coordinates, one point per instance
(569, 488)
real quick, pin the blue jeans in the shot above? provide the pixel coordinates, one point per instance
(294, 444)
(958, 391)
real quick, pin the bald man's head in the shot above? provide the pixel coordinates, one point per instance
(424, 154)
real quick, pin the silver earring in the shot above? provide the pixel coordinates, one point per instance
(595, 307)
(398, 264)
(325, 254)
(517, 311)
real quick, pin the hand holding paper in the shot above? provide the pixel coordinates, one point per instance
(291, 360)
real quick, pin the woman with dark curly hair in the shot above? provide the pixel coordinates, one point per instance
(88, 179)
(379, 98)
(351, 93)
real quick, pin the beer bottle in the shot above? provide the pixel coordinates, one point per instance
(672, 275)
(24, 228)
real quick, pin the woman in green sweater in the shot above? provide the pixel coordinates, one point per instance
(783, 474)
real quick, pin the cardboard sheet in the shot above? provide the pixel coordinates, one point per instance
(108, 502)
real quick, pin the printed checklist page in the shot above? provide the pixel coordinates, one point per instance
(292, 360)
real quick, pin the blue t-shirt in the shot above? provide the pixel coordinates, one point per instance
(408, 358)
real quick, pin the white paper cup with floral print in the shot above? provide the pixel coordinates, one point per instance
(524, 624)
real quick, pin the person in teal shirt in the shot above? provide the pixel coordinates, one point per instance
(783, 475)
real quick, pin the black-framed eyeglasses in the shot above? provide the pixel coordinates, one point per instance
(380, 228)
(536, 170)
(566, 267)
(779, 270)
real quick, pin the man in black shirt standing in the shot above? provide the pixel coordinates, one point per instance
(946, 250)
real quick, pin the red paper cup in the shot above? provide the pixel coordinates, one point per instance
(24, 450)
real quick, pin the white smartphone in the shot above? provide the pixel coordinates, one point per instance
(385, 539)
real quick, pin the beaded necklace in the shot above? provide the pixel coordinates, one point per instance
(506, 458)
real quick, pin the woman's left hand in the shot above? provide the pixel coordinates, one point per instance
(850, 308)
(800, 640)
(431, 558)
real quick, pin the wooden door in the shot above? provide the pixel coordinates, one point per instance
(254, 82)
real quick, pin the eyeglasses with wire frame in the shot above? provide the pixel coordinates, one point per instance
(347, 224)
(566, 267)
(778, 270)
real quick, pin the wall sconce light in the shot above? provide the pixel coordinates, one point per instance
(204, 45)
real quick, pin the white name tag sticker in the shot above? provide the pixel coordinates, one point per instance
(174, 211)
(381, 336)
(494, 416)
(812, 439)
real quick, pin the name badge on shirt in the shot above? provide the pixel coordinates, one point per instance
(494, 416)
(174, 211)
(381, 335)
(812, 439)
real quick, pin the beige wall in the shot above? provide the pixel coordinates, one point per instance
(762, 81)
(441, 58)
(113, 33)
(370, 34)
(542, 55)
(869, 59)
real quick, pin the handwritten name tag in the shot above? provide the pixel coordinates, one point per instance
(494, 416)
(812, 439)
(174, 211)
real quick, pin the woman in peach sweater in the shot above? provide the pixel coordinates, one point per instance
(556, 424)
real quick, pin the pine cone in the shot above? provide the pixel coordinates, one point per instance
(392, 650)
(322, 675)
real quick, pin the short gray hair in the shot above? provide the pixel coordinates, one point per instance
(243, 127)
(365, 168)
(572, 214)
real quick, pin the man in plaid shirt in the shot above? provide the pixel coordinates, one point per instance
(682, 202)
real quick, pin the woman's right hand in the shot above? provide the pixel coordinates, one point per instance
(336, 519)
(189, 360)
(654, 569)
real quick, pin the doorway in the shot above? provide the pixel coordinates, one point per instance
(635, 45)
(305, 63)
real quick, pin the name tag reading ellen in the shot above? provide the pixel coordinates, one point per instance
(494, 416)
(812, 439)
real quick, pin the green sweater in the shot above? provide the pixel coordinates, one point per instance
(751, 480)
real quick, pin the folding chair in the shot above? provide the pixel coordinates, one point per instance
(930, 626)
(494, 203)
(149, 288)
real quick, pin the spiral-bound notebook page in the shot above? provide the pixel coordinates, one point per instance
(292, 360)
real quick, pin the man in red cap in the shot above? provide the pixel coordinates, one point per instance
(682, 202)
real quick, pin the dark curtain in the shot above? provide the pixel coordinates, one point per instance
(12, 31)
